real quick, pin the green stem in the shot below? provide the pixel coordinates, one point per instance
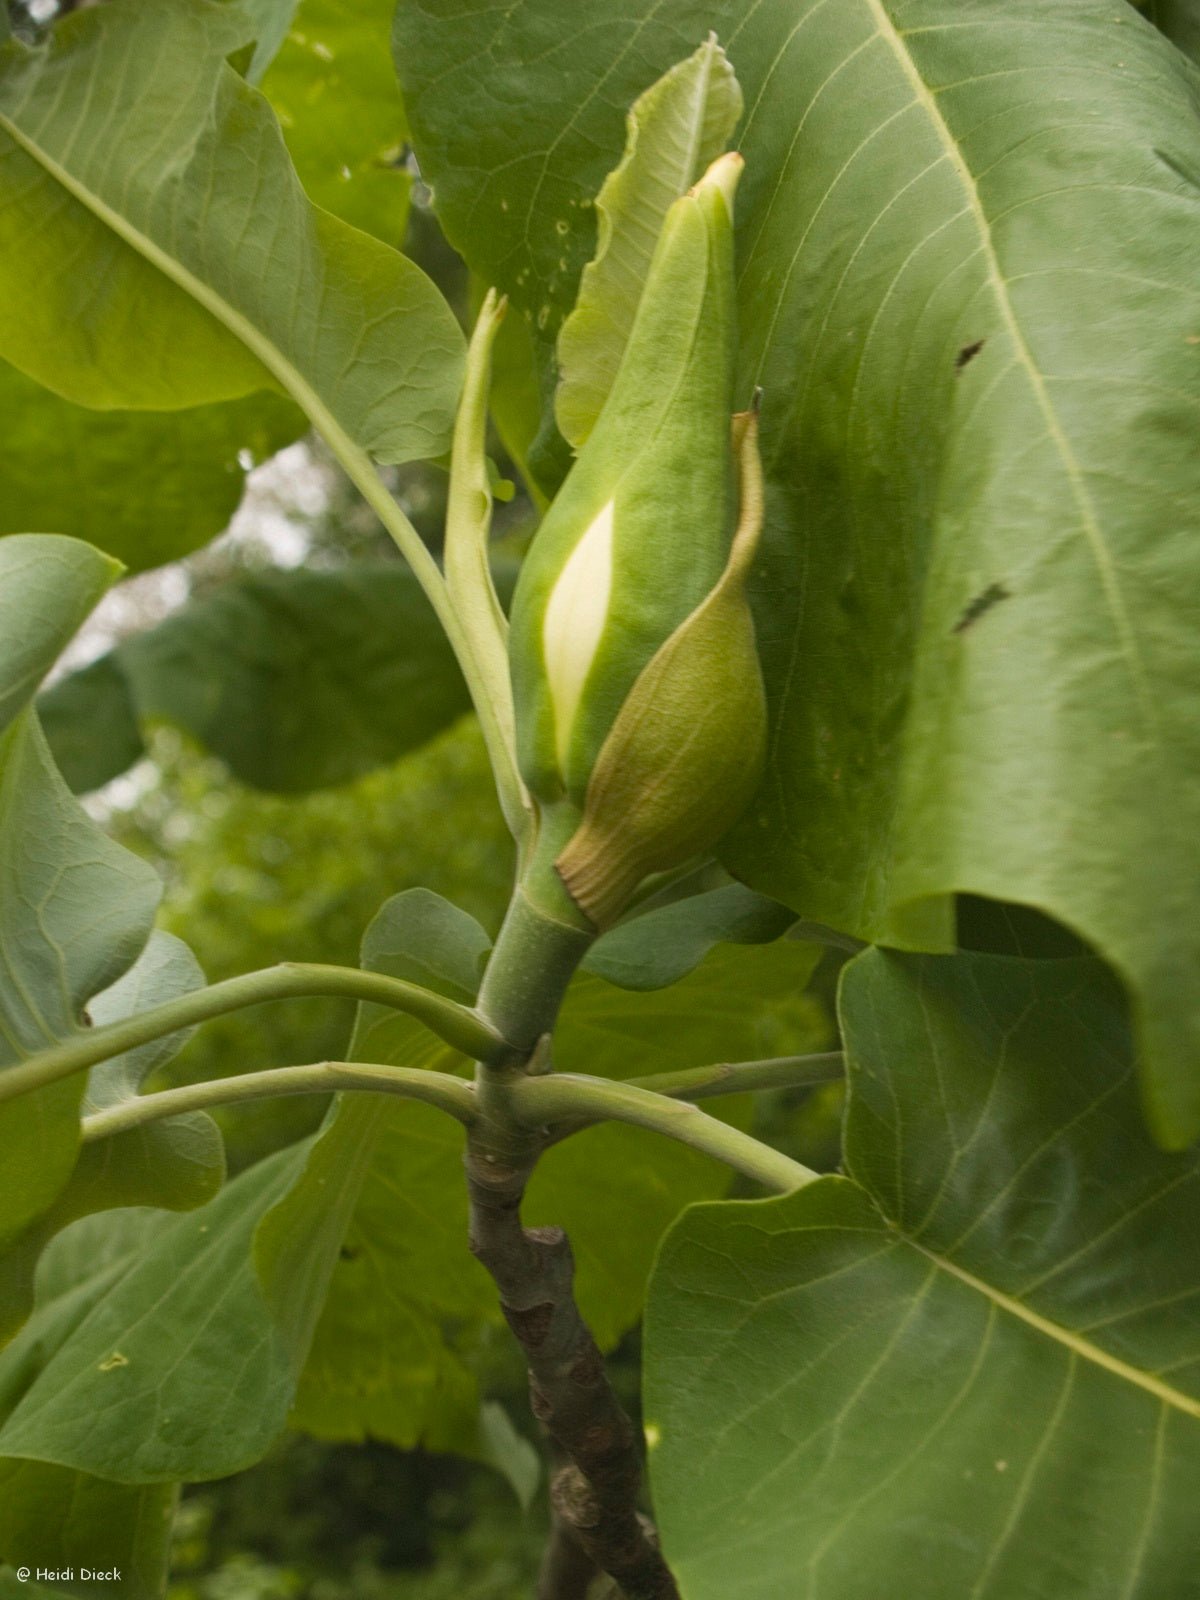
(361, 471)
(560, 1097)
(412, 1083)
(455, 1024)
(543, 939)
(744, 1077)
(468, 575)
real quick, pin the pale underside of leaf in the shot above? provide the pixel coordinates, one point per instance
(345, 325)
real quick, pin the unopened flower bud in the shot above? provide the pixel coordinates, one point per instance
(685, 754)
(636, 541)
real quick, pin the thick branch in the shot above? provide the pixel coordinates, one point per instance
(458, 1026)
(595, 1493)
(449, 1094)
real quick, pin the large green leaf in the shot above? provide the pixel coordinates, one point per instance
(91, 724)
(272, 19)
(180, 1367)
(75, 908)
(177, 1163)
(76, 911)
(147, 487)
(58, 1520)
(218, 274)
(664, 943)
(615, 1189)
(408, 1307)
(965, 243)
(975, 1368)
(407, 1304)
(297, 680)
(48, 585)
(336, 96)
(51, 1517)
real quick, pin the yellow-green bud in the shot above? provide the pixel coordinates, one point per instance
(685, 753)
(638, 536)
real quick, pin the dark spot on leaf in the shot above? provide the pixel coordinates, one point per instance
(984, 601)
(348, 1253)
(968, 353)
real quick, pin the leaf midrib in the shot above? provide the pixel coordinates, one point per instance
(1162, 1392)
(172, 268)
(1088, 519)
(353, 458)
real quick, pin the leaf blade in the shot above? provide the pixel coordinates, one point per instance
(145, 487)
(948, 1346)
(960, 238)
(356, 334)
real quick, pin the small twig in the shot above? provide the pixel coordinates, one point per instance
(745, 1077)
(724, 1078)
(571, 1098)
(595, 1492)
(457, 1025)
(439, 1089)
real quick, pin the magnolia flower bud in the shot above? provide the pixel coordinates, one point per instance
(637, 537)
(685, 753)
